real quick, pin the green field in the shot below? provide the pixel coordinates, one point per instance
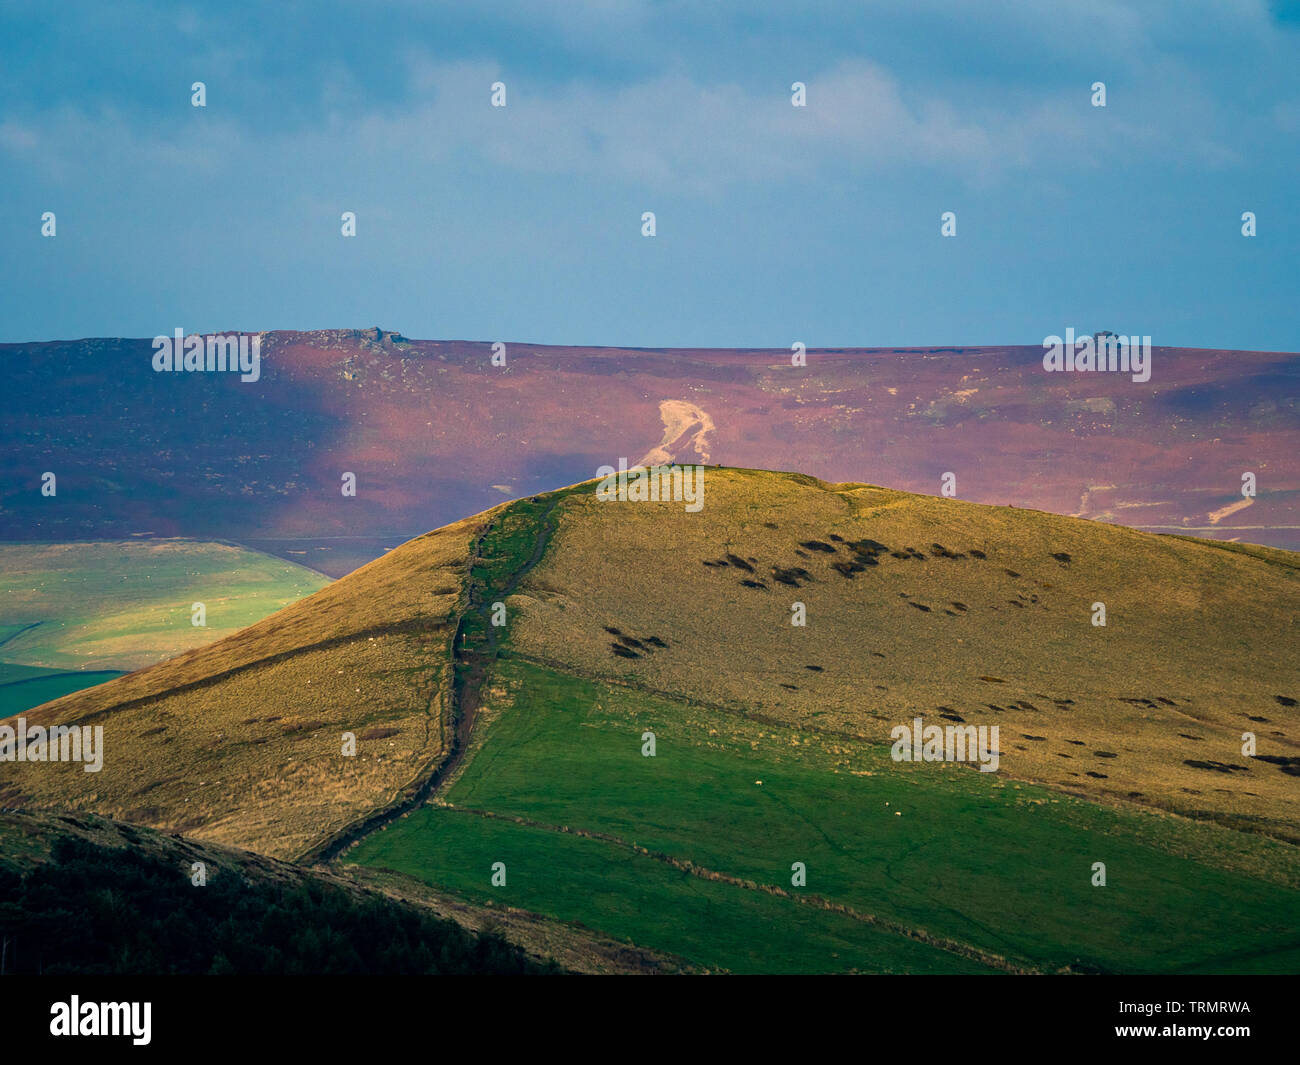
(76, 614)
(909, 867)
(11, 673)
(957, 856)
(22, 687)
(643, 901)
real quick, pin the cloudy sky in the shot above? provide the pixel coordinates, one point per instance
(775, 224)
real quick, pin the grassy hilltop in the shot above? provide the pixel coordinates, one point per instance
(974, 612)
(522, 744)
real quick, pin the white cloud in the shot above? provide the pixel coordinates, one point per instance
(671, 130)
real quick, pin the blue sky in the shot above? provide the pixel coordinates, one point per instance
(775, 224)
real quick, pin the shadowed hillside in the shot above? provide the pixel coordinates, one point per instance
(81, 895)
(434, 431)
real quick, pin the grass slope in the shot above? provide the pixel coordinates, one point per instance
(603, 886)
(930, 606)
(960, 857)
(22, 687)
(82, 895)
(241, 741)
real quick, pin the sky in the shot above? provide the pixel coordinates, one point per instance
(775, 224)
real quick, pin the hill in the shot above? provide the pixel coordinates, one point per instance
(434, 431)
(253, 914)
(242, 740)
(523, 745)
(981, 613)
(88, 896)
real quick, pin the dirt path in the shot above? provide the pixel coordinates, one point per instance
(469, 667)
(474, 665)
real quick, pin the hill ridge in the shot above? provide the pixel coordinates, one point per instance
(383, 603)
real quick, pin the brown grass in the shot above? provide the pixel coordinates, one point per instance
(1199, 640)
(241, 742)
